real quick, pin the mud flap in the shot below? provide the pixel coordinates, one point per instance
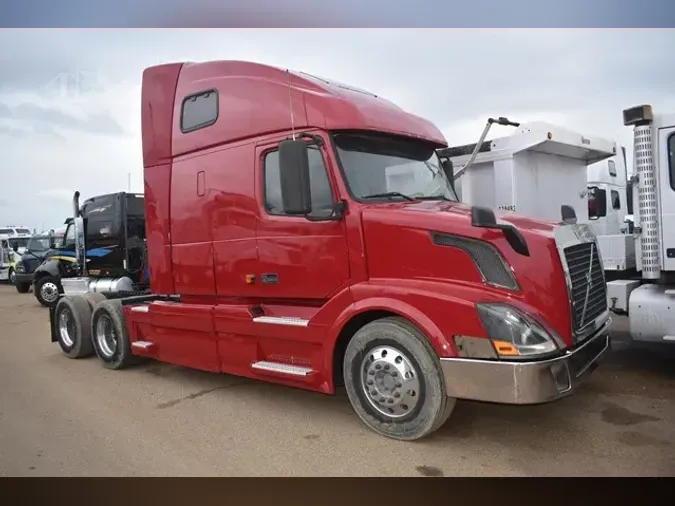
(52, 323)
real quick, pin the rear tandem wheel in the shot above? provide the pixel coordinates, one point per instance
(72, 317)
(110, 336)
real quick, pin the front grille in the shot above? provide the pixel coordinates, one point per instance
(30, 264)
(583, 263)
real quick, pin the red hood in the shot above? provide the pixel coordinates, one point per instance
(455, 218)
(398, 245)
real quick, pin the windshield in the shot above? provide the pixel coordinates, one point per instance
(38, 243)
(387, 167)
(20, 242)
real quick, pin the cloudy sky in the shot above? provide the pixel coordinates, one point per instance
(55, 139)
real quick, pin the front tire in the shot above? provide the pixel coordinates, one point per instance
(47, 290)
(72, 317)
(22, 287)
(11, 276)
(110, 335)
(394, 381)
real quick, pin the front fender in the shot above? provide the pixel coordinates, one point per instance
(442, 345)
(440, 309)
(50, 267)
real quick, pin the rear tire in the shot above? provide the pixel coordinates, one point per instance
(394, 381)
(72, 317)
(47, 290)
(93, 298)
(22, 287)
(110, 336)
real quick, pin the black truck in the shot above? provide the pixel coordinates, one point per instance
(103, 250)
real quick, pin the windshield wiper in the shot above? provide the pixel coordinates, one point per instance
(433, 197)
(388, 194)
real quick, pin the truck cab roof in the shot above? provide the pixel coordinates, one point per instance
(11, 231)
(251, 99)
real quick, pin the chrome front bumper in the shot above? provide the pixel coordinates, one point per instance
(511, 382)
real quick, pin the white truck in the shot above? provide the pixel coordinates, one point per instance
(13, 241)
(608, 202)
(543, 168)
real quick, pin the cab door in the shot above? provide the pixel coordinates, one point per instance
(666, 185)
(299, 258)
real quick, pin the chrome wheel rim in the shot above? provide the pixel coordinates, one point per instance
(49, 291)
(390, 382)
(12, 277)
(67, 327)
(106, 337)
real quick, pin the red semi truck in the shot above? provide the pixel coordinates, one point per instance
(304, 232)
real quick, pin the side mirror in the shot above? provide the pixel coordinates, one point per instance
(449, 170)
(569, 216)
(484, 217)
(294, 171)
(52, 240)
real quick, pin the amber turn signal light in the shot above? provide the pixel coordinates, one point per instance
(505, 348)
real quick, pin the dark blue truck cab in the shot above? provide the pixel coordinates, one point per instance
(37, 250)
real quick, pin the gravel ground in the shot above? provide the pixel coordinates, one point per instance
(60, 417)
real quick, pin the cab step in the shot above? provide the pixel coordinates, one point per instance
(143, 345)
(279, 368)
(282, 320)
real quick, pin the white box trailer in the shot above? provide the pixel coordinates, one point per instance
(521, 172)
(539, 168)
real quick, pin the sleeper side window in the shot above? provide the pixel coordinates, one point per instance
(199, 110)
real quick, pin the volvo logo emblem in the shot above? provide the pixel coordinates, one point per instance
(589, 282)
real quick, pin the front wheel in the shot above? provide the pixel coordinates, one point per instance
(47, 290)
(394, 381)
(11, 276)
(22, 287)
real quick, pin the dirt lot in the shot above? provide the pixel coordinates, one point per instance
(66, 418)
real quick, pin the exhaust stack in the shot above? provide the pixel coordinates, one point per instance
(641, 118)
(76, 205)
(78, 223)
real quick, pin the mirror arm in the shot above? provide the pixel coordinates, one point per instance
(337, 213)
(316, 139)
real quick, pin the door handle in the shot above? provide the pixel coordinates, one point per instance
(269, 278)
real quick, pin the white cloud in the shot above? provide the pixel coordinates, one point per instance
(54, 141)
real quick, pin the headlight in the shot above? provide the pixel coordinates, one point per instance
(20, 267)
(514, 334)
